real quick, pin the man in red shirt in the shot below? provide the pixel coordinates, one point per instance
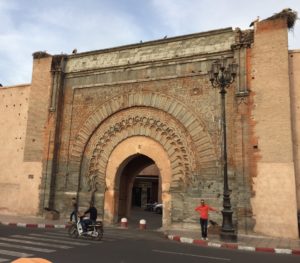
(203, 212)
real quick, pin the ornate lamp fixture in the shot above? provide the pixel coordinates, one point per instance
(221, 77)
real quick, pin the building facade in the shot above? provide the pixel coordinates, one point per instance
(90, 125)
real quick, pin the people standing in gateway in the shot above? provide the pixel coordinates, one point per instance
(203, 210)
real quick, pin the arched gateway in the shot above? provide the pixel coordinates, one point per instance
(148, 124)
(137, 145)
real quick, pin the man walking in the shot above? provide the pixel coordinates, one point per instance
(74, 213)
(203, 210)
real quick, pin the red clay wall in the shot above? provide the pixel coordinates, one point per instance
(274, 200)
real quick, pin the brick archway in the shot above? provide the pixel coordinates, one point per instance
(176, 130)
(194, 126)
(140, 121)
(129, 147)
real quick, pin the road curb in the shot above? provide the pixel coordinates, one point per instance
(233, 246)
(27, 225)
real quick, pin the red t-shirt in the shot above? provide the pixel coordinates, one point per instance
(203, 210)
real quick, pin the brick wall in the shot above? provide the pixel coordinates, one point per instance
(294, 65)
(39, 103)
(17, 178)
(271, 140)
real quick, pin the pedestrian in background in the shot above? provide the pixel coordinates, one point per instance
(74, 213)
(203, 210)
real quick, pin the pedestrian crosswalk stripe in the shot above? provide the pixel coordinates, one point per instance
(114, 237)
(61, 231)
(120, 234)
(64, 237)
(57, 234)
(4, 259)
(15, 240)
(45, 250)
(49, 240)
(107, 239)
(14, 253)
(110, 233)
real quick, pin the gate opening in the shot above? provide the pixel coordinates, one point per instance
(140, 186)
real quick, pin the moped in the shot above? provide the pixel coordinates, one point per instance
(94, 231)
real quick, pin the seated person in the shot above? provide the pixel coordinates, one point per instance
(93, 217)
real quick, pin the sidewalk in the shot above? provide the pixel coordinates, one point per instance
(245, 242)
(32, 221)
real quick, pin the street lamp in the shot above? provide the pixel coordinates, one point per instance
(221, 78)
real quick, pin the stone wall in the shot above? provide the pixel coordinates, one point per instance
(151, 52)
(159, 90)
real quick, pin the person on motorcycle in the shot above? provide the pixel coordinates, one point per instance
(93, 217)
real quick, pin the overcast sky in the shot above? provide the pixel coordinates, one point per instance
(59, 26)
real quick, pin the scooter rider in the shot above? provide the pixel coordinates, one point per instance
(93, 217)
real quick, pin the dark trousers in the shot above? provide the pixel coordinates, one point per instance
(203, 224)
(86, 222)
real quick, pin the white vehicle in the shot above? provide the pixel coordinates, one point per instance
(158, 208)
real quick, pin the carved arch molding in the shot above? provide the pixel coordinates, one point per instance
(167, 121)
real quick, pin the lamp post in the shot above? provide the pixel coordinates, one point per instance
(221, 78)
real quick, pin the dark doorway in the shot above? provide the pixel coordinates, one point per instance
(136, 196)
(148, 185)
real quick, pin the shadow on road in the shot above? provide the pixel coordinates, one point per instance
(153, 220)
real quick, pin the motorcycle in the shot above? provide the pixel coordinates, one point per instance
(94, 231)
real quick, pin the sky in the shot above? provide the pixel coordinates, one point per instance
(59, 26)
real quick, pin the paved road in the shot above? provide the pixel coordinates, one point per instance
(118, 246)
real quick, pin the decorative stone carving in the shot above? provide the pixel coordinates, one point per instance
(148, 123)
(163, 118)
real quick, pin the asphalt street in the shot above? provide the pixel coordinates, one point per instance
(118, 246)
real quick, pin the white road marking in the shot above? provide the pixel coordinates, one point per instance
(246, 248)
(212, 244)
(15, 240)
(189, 255)
(120, 235)
(186, 240)
(107, 239)
(283, 251)
(50, 240)
(27, 248)
(114, 236)
(4, 260)
(15, 253)
(65, 238)
(58, 234)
